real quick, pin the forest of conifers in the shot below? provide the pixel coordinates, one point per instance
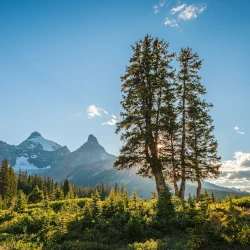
(54, 217)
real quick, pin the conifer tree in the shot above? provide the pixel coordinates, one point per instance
(20, 202)
(165, 209)
(198, 148)
(58, 193)
(5, 180)
(12, 183)
(36, 195)
(148, 97)
(66, 187)
(94, 204)
(202, 145)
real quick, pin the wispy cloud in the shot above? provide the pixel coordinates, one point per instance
(239, 132)
(93, 111)
(171, 23)
(111, 122)
(192, 11)
(237, 129)
(179, 12)
(157, 7)
(178, 8)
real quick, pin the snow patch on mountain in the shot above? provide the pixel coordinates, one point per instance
(23, 164)
(46, 144)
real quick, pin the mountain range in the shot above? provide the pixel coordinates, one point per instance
(89, 165)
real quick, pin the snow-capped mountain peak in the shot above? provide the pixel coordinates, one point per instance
(34, 135)
(47, 145)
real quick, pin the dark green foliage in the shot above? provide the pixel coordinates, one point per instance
(243, 202)
(148, 100)
(36, 195)
(119, 221)
(20, 203)
(199, 158)
(165, 123)
(58, 193)
(165, 210)
(66, 187)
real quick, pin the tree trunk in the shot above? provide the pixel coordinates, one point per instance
(183, 144)
(159, 179)
(198, 191)
(176, 189)
(183, 184)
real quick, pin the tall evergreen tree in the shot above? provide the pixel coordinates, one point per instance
(66, 187)
(202, 145)
(147, 103)
(198, 152)
(188, 87)
(12, 183)
(5, 180)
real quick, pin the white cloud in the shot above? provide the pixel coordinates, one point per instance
(237, 130)
(171, 23)
(162, 3)
(178, 8)
(157, 7)
(113, 116)
(236, 172)
(191, 11)
(93, 111)
(111, 122)
(240, 132)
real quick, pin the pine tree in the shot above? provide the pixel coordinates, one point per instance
(5, 191)
(165, 209)
(21, 202)
(134, 200)
(36, 195)
(213, 197)
(201, 143)
(58, 193)
(12, 183)
(148, 98)
(66, 187)
(198, 146)
(94, 204)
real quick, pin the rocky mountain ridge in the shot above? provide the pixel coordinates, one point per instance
(89, 165)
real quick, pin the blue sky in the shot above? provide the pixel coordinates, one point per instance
(61, 58)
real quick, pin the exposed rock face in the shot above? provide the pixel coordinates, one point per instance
(90, 157)
(87, 166)
(33, 154)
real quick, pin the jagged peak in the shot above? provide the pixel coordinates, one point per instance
(34, 135)
(92, 139)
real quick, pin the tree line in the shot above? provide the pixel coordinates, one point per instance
(36, 189)
(165, 122)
